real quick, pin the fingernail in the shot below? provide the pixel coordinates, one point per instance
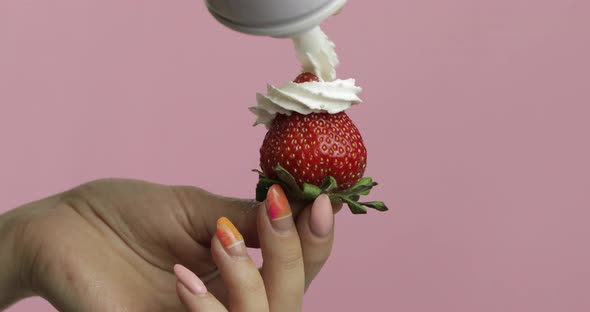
(278, 209)
(322, 216)
(191, 281)
(230, 237)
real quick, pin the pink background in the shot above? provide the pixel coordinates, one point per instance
(476, 117)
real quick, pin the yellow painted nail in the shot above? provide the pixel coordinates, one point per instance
(228, 234)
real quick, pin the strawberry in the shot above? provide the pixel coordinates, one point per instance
(306, 77)
(314, 147)
(314, 154)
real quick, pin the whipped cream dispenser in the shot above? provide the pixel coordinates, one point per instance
(275, 18)
(295, 19)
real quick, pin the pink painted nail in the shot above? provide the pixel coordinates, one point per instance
(322, 217)
(278, 209)
(191, 281)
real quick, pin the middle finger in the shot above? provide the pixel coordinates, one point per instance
(282, 269)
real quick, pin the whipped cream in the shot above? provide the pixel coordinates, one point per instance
(317, 54)
(330, 95)
(306, 98)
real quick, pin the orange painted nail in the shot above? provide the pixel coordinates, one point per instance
(230, 237)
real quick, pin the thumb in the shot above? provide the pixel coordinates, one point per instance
(203, 209)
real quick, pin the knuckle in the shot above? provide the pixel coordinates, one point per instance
(291, 259)
(43, 253)
(250, 284)
(251, 287)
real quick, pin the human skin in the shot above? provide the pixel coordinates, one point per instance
(111, 245)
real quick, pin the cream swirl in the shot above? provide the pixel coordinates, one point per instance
(317, 54)
(306, 98)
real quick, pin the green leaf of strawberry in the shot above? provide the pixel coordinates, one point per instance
(355, 207)
(309, 192)
(380, 206)
(329, 184)
(288, 179)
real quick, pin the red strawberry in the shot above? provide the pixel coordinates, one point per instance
(313, 147)
(306, 77)
(314, 154)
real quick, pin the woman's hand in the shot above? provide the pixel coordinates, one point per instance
(111, 245)
(280, 284)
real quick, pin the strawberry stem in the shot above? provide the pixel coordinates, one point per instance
(310, 192)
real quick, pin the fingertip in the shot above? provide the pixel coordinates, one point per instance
(182, 292)
(278, 209)
(323, 198)
(189, 280)
(322, 216)
(204, 302)
(231, 238)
